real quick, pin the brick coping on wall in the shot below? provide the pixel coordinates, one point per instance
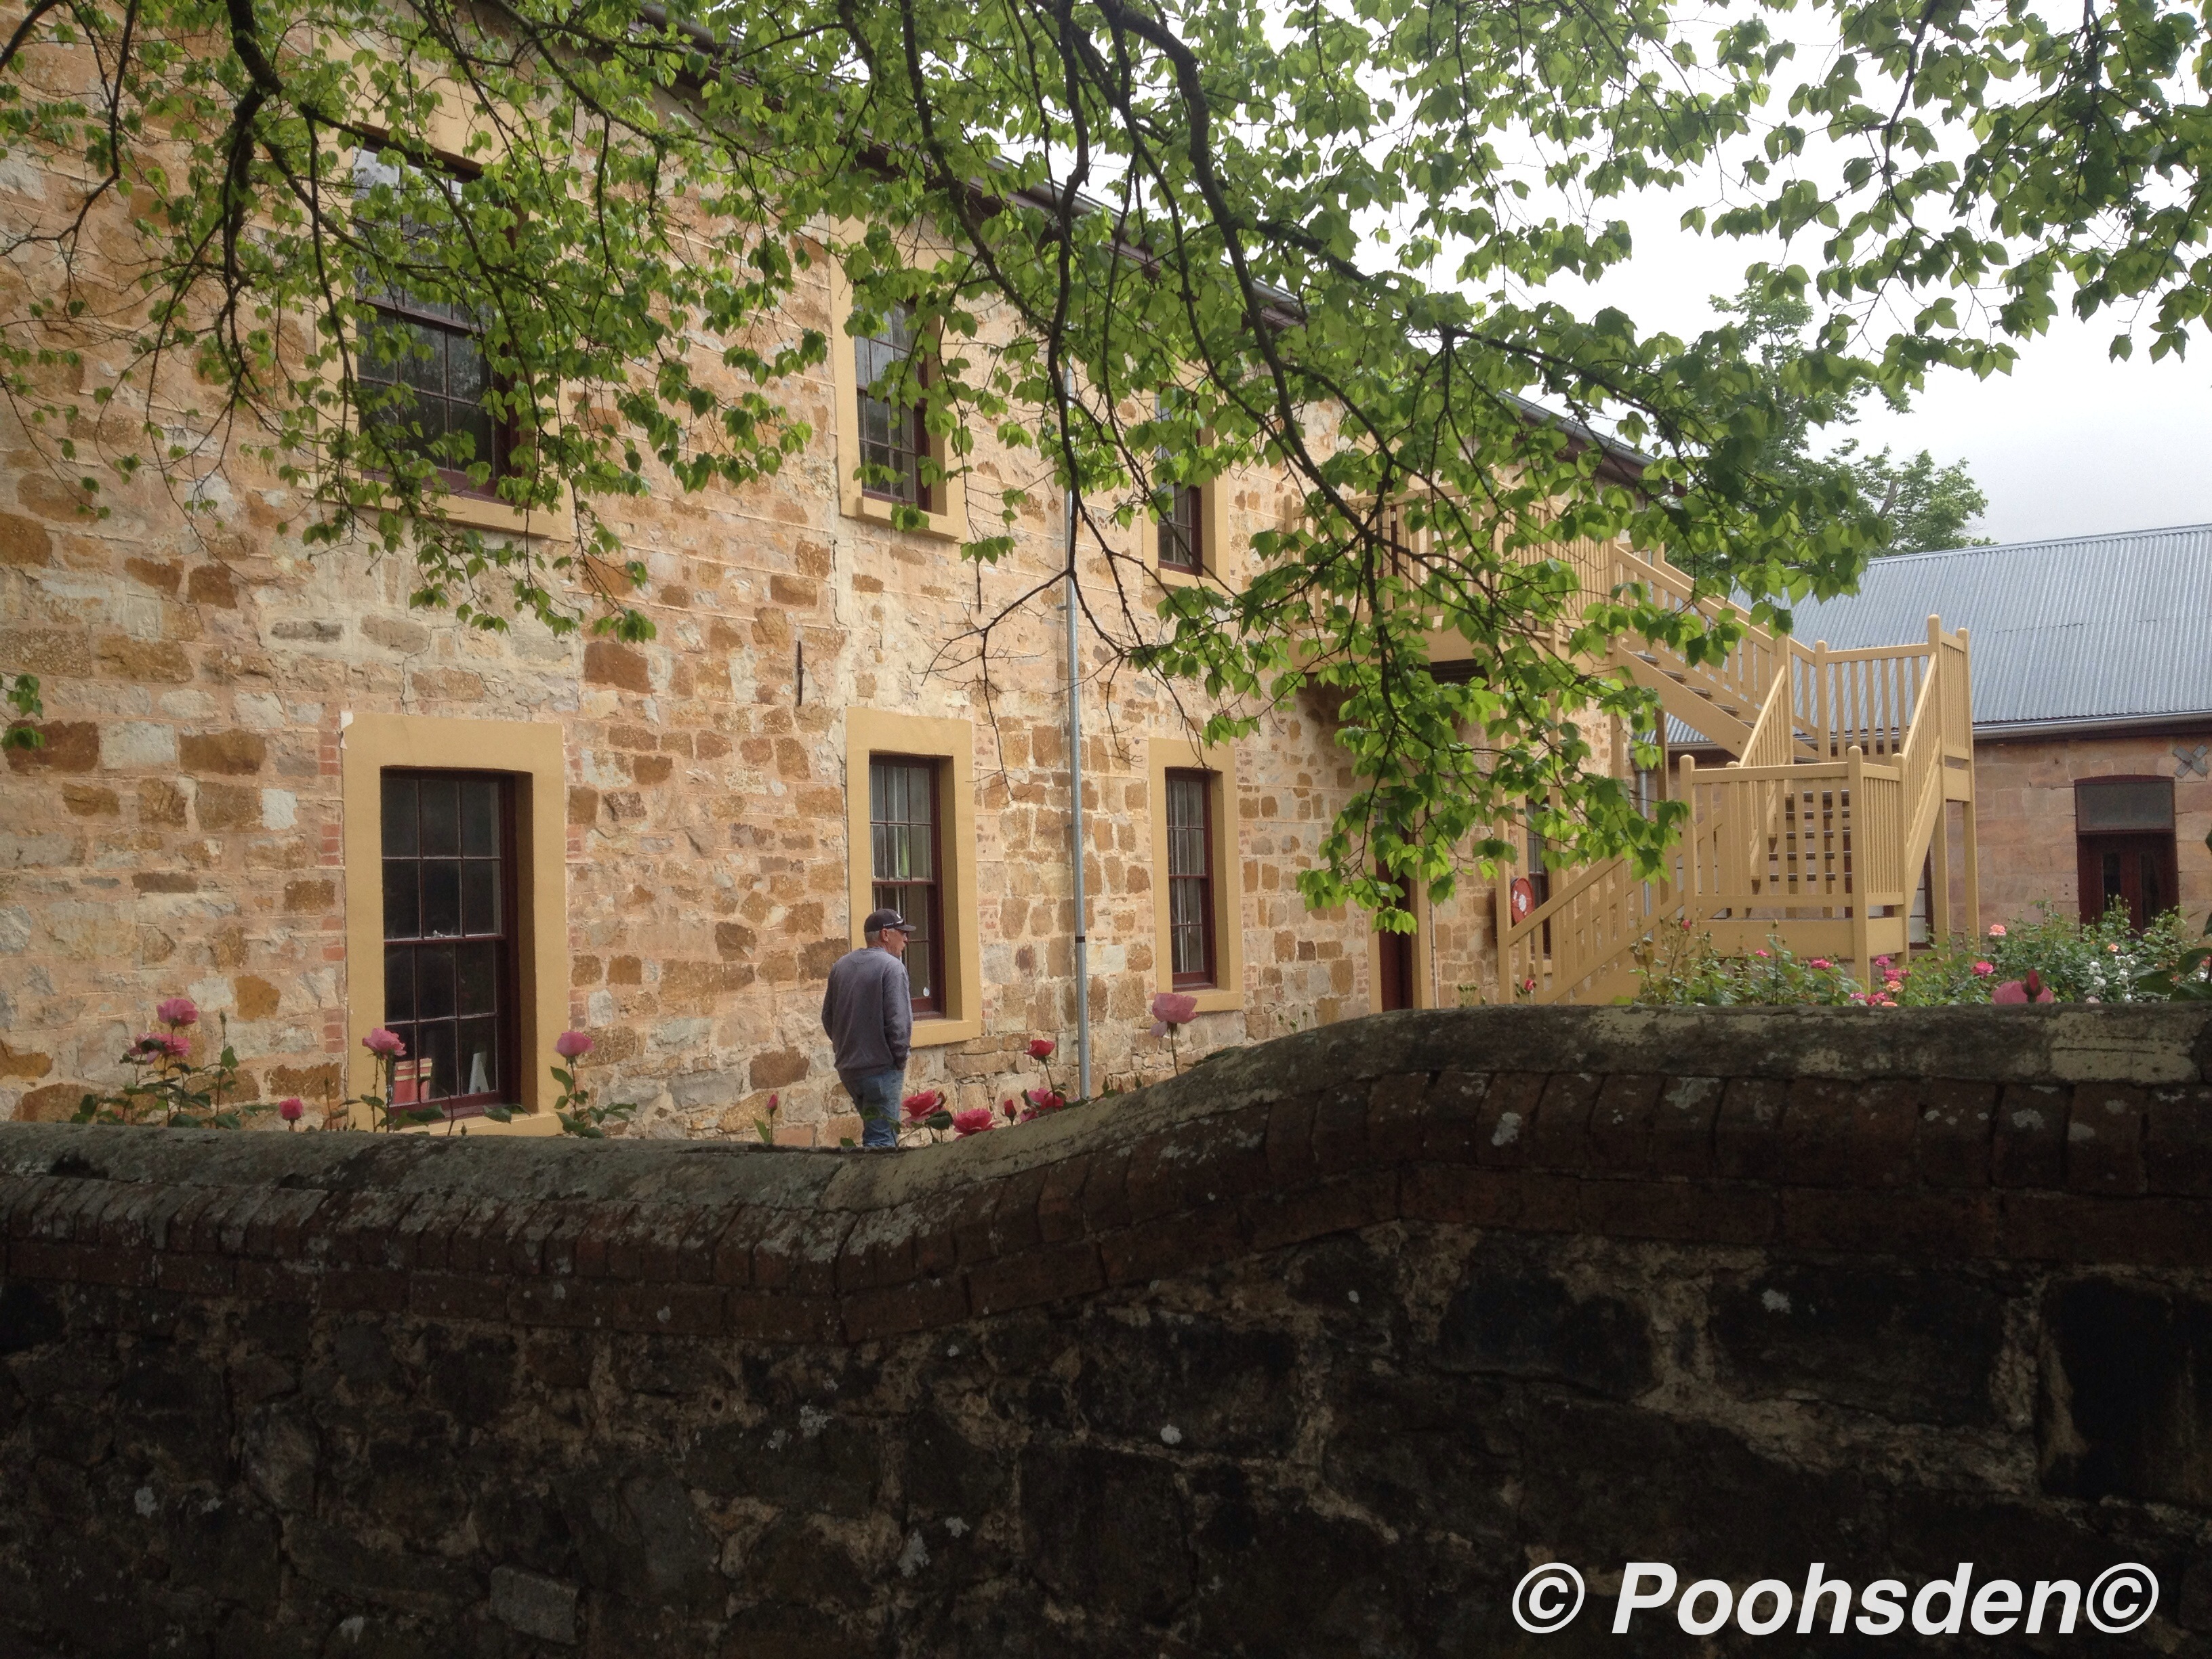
(2028, 1134)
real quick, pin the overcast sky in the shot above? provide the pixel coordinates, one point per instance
(2071, 443)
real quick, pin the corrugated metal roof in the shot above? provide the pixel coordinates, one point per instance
(2078, 628)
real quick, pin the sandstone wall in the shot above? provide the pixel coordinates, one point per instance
(2026, 837)
(1315, 1350)
(182, 829)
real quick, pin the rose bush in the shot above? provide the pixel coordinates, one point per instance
(2053, 958)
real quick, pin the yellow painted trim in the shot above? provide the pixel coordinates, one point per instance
(532, 751)
(1425, 989)
(448, 137)
(1213, 509)
(875, 732)
(951, 523)
(1163, 756)
(479, 513)
(539, 1124)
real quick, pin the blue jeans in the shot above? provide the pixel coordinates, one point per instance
(877, 1095)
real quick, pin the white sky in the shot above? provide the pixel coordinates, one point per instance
(2071, 443)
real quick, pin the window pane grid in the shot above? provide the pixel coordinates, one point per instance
(423, 374)
(1190, 878)
(1183, 535)
(903, 850)
(894, 439)
(448, 974)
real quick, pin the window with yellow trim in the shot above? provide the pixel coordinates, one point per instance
(1197, 872)
(456, 910)
(890, 464)
(910, 801)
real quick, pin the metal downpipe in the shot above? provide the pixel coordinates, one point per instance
(1075, 807)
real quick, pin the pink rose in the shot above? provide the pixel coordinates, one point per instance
(1759, 953)
(2031, 990)
(291, 1108)
(177, 1011)
(1042, 1047)
(1996, 930)
(1881, 962)
(1171, 1008)
(1819, 962)
(974, 1120)
(569, 1044)
(387, 1043)
(1985, 968)
(918, 1106)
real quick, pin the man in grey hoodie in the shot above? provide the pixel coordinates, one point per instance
(868, 1012)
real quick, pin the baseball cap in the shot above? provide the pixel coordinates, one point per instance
(879, 920)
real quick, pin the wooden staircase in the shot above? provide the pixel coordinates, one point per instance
(1817, 833)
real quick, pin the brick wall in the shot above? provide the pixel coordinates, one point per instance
(2026, 789)
(1315, 1349)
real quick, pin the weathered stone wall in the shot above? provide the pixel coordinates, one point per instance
(1313, 1350)
(181, 831)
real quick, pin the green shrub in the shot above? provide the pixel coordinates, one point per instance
(2103, 961)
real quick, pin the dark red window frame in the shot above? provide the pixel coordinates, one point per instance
(452, 979)
(442, 326)
(1394, 986)
(1192, 954)
(893, 838)
(1183, 530)
(2137, 863)
(894, 439)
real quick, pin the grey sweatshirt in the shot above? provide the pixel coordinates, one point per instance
(868, 1012)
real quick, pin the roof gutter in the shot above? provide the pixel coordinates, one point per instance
(2081, 727)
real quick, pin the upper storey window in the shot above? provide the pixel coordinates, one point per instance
(425, 377)
(1182, 529)
(893, 439)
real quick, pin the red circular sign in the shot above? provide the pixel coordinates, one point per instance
(1523, 897)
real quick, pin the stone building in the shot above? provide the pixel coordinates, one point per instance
(272, 784)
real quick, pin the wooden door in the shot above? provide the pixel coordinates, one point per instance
(2136, 869)
(1394, 986)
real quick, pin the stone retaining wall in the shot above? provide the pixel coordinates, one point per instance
(1314, 1350)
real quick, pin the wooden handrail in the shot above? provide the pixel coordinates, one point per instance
(1805, 850)
(1846, 759)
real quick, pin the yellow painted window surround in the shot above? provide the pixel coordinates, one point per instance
(465, 508)
(1213, 540)
(950, 743)
(447, 134)
(1164, 755)
(949, 519)
(530, 752)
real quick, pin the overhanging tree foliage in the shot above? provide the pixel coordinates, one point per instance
(1180, 237)
(1921, 506)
